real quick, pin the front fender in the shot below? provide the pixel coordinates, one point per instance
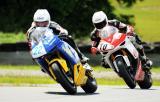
(62, 62)
(79, 72)
(126, 60)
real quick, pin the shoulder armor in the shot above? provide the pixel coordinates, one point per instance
(30, 30)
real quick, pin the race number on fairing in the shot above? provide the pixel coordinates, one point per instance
(38, 51)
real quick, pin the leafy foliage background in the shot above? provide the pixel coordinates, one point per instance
(74, 15)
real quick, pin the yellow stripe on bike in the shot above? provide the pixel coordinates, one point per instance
(79, 74)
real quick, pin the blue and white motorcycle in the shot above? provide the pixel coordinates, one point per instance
(61, 62)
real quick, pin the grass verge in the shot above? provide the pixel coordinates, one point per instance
(36, 67)
(36, 80)
(119, 81)
(12, 37)
(25, 80)
(20, 79)
(20, 67)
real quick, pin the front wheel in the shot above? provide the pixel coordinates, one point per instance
(65, 81)
(147, 82)
(125, 73)
(91, 84)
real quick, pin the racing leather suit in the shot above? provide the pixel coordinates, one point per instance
(123, 28)
(63, 35)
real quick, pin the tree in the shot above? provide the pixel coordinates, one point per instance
(74, 15)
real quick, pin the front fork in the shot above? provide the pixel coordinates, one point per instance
(61, 62)
(79, 76)
(139, 76)
(124, 56)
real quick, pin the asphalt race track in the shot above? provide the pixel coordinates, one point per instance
(55, 93)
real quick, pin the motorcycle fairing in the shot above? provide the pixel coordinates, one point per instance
(49, 42)
(69, 53)
(79, 74)
(115, 39)
(46, 45)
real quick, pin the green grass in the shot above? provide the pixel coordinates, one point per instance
(36, 67)
(20, 67)
(110, 81)
(119, 81)
(30, 80)
(99, 69)
(12, 37)
(147, 18)
(33, 80)
(156, 69)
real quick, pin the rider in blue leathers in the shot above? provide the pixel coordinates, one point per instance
(42, 20)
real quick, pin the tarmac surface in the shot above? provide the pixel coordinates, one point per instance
(55, 93)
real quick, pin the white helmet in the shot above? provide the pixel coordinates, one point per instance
(42, 18)
(99, 19)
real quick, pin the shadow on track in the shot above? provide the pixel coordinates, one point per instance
(135, 89)
(65, 93)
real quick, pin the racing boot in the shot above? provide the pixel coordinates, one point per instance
(84, 59)
(87, 67)
(43, 70)
(103, 63)
(146, 62)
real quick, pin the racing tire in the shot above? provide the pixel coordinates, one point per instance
(63, 79)
(90, 86)
(129, 80)
(147, 82)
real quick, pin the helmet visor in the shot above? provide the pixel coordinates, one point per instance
(101, 24)
(42, 24)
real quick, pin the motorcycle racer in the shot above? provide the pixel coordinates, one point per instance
(100, 20)
(42, 20)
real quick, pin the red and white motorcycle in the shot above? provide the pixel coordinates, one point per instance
(123, 58)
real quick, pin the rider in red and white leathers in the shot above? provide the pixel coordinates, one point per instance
(100, 20)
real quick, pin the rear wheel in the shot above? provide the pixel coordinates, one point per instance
(66, 81)
(147, 82)
(125, 73)
(91, 84)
